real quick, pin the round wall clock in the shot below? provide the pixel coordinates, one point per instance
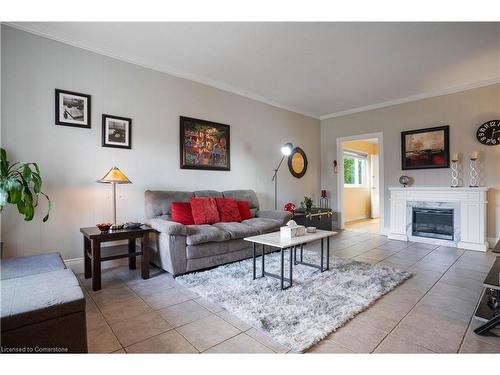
(489, 133)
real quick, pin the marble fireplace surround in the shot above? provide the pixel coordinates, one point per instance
(469, 210)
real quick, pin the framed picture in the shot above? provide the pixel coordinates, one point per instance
(204, 145)
(72, 109)
(116, 131)
(426, 148)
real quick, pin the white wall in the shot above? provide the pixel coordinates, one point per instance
(72, 159)
(463, 111)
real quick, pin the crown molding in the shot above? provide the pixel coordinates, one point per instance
(249, 95)
(413, 98)
(171, 71)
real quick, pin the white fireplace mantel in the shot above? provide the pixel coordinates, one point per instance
(471, 203)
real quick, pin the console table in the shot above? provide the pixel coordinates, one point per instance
(488, 309)
(94, 254)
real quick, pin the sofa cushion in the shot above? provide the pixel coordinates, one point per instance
(243, 195)
(204, 210)
(158, 203)
(244, 210)
(36, 298)
(30, 265)
(181, 213)
(208, 193)
(197, 234)
(263, 225)
(211, 249)
(228, 210)
(237, 230)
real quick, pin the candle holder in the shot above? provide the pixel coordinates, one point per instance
(473, 175)
(454, 173)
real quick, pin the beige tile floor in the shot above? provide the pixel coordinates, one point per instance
(431, 312)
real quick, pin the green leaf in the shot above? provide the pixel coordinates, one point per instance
(37, 182)
(27, 172)
(29, 212)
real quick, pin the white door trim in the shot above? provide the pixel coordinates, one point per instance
(340, 173)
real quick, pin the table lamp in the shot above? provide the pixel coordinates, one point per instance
(113, 177)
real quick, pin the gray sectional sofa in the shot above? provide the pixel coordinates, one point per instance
(43, 306)
(180, 248)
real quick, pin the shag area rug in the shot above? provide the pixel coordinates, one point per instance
(316, 305)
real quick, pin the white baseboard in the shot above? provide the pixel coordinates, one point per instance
(77, 264)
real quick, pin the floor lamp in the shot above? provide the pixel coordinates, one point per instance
(113, 177)
(286, 150)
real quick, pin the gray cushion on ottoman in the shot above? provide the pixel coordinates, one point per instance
(36, 298)
(30, 265)
(205, 233)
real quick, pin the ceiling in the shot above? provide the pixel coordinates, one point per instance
(318, 69)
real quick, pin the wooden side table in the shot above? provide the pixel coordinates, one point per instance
(93, 253)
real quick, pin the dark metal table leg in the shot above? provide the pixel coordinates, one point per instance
(322, 255)
(282, 268)
(295, 255)
(254, 271)
(327, 253)
(291, 257)
(490, 324)
(263, 259)
(302, 252)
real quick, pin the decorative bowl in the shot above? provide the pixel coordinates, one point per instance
(104, 227)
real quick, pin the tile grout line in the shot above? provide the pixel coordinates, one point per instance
(432, 286)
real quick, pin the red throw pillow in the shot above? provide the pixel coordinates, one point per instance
(228, 209)
(244, 209)
(204, 210)
(181, 213)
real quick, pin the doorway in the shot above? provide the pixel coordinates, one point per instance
(360, 182)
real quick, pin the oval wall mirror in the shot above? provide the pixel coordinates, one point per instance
(297, 162)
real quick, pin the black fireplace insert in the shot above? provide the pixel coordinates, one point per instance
(433, 223)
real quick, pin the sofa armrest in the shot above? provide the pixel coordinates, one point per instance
(167, 226)
(283, 216)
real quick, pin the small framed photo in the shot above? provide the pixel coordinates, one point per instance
(72, 109)
(116, 131)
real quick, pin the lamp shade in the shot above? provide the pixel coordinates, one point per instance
(286, 149)
(115, 176)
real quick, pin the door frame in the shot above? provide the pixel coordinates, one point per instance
(340, 174)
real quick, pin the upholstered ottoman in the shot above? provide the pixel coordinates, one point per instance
(42, 306)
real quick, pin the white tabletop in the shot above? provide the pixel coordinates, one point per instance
(274, 239)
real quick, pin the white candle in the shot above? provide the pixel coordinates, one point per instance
(474, 155)
(454, 157)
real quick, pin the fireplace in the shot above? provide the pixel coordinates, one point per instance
(433, 223)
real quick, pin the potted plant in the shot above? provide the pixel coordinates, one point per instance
(21, 185)
(306, 204)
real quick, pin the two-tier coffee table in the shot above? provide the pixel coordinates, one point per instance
(94, 254)
(274, 240)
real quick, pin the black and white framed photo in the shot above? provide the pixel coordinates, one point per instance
(116, 131)
(72, 109)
